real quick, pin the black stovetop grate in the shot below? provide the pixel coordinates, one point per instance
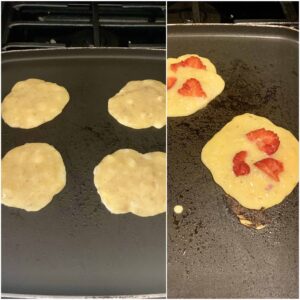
(271, 12)
(28, 25)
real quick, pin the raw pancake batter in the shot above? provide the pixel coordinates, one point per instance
(128, 181)
(140, 104)
(192, 91)
(253, 160)
(33, 102)
(178, 209)
(31, 175)
(192, 83)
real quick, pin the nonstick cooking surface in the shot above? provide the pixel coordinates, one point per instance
(210, 255)
(75, 246)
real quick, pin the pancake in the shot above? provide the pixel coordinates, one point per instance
(266, 172)
(178, 105)
(33, 102)
(140, 104)
(192, 84)
(128, 181)
(31, 175)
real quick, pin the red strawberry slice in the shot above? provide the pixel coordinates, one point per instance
(266, 140)
(171, 81)
(272, 167)
(192, 88)
(192, 62)
(175, 66)
(240, 167)
(240, 156)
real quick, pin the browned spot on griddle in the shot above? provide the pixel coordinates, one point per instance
(251, 218)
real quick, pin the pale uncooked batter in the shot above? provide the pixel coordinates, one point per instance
(128, 181)
(31, 175)
(140, 104)
(180, 105)
(253, 160)
(192, 83)
(33, 102)
(178, 209)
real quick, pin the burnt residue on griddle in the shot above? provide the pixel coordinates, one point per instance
(256, 218)
(271, 218)
(92, 131)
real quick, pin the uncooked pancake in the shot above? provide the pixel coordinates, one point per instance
(31, 175)
(128, 181)
(210, 83)
(140, 104)
(33, 102)
(253, 160)
(192, 83)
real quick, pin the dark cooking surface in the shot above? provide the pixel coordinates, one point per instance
(74, 246)
(209, 254)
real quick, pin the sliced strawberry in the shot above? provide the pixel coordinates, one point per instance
(192, 88)
(240, 156)
(175, 66)
(272, 167)
(266, 140)
(171, 82)
(240, 167)
(192, 62)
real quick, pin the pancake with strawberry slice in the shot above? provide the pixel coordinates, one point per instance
(255, 162)
(192, 83)
(192, 61)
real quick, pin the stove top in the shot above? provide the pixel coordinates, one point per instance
(271, 12)
(29, 25)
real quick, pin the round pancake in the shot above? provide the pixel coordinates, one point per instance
(179, 105)
(33, 102)
(140, 104)
(255, 190)
(128, 181)
(31, 175)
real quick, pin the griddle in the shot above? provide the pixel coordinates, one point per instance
(210, 255)
(75, 246)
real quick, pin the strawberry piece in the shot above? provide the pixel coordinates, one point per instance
(272, 167)
(266, 140)
(171, 81)
(175, 66)
(240, 156)
(192, 88)
(192, 62)
(240, 167)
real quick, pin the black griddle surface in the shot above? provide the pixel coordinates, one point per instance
(75, 246)
(210, 255)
